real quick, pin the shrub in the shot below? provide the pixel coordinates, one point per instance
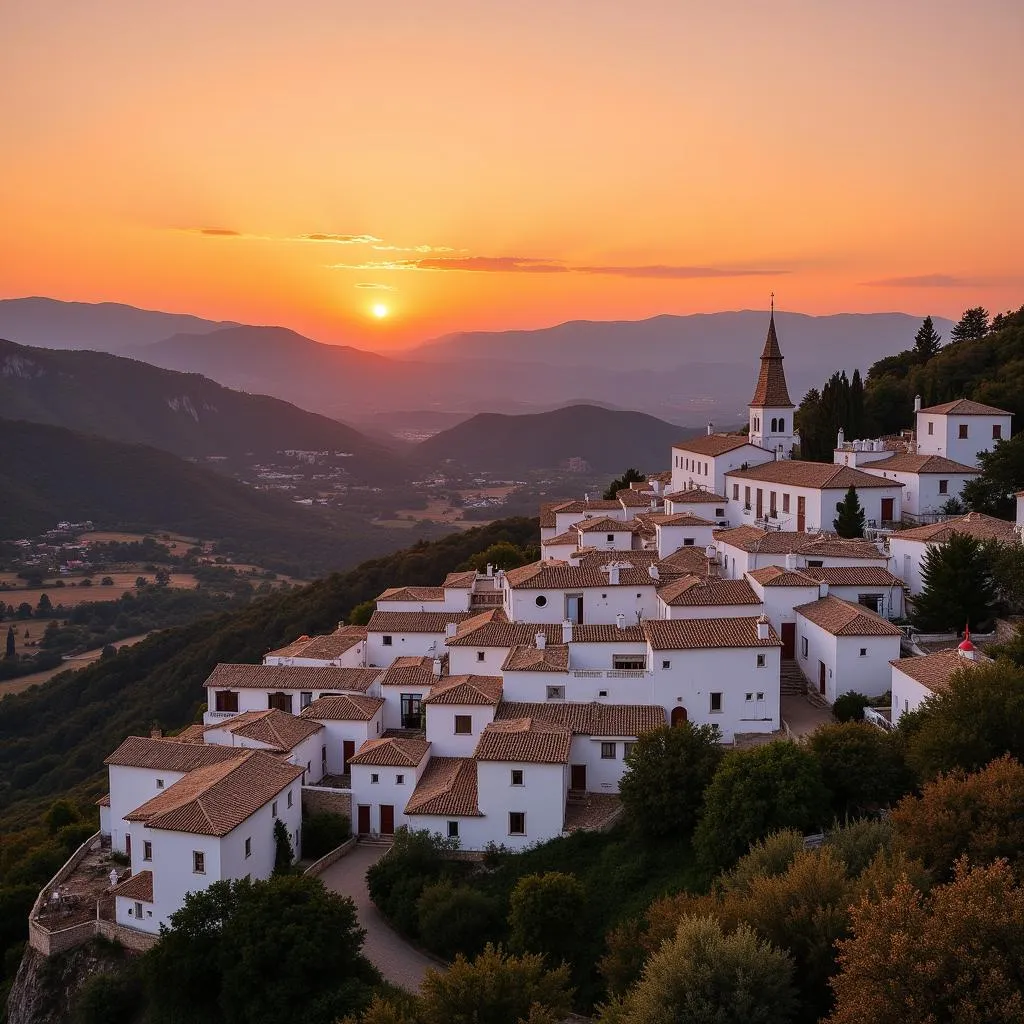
(544, 914)
(456, 919)
(110, 998)
(849, 707)
(322, 833)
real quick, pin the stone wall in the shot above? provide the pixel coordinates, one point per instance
(130, 938)
(42, 940)
(321, 865)
(320, 800)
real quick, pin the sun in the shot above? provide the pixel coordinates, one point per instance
(379, 310)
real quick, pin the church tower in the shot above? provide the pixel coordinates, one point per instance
(771, 411)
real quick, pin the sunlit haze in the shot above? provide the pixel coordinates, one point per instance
(379, 174)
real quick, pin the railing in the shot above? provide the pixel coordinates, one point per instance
(222, 714)
(614, 673)
(876, 718)
(494, 599)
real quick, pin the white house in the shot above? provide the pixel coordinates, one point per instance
(780, 591)
(301, 741)
(391, 635)
(405, 685)
(961, 429)
(702, 462)
(699, 502)
(424, 599)
(348, 721)
(457, 711)
(929, 481)
(916, 679)
(844, 648)
(681, 530)
(344, 648)
(445, 802)
(607, 534)
(384, 774)
(872, 586)
(747, 547)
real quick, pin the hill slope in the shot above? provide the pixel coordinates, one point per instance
(185, 414)
(48, 473)
(609, 440)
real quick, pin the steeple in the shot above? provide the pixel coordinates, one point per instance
(771, 391)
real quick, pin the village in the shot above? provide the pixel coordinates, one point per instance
(498, 708)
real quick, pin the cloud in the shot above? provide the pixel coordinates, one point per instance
(318, 237)
(416, 248)
(663, 271)
(339, 239)
(926, 281)
(378, 287)
(221, 232)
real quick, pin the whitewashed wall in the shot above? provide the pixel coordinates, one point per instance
(403, 645)
(846, 670)
(131, 788)
(541, 797)
(444, 741)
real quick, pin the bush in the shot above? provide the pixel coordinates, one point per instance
(457, 919)
(849, 707)
(322, 833)
(109, 998)
(544, 914)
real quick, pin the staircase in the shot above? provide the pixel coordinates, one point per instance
(791, 679)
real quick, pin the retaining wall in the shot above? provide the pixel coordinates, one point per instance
(319, 800)
(321, 865)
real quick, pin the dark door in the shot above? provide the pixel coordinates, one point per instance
(887, 510)
(678, 715)
(387, 820)
(789, 639)
(128, 846)
(801, 514)
(280, 701)
(363, 820)
(760, 502)
(578, 777)
(348, 748)
(821, 678)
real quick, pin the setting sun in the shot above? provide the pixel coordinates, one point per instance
(379, 310)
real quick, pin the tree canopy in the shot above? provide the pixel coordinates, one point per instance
(957, 587)
(849, 520)
(927, 340)
(631, 476)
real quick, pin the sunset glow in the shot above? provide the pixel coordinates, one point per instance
(503, 166)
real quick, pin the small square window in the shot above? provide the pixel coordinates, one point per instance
(749, 696)
(517, 777)
(463, 725)
(399, 780)
(688, 542)
(481, 655)
(602, 693)
(198, 862)
(604, 597)
(273, 809)
(248, 846)
(556, 693)
(962, 432)
(943, 487)
(374, 778)
(760, 661)
(516, 823)
(386, 641)
(453, 830)
(716, 702)
(666, 663)
(147, 850)
(289, 798)
(863, 652)
(719, 513)
(610, 537)
(607, 751)
(159, 783)
(760, 695)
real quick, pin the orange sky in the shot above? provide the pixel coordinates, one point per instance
(491, 165)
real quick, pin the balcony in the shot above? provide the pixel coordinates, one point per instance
(612, 673)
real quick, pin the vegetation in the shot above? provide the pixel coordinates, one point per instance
(849, 707)
(545, 914)
(621, 483)
(957, 587)
(1002, 475)
(838, 406)
(849, 521)
(323, 832)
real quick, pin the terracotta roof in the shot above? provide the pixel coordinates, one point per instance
(904, 462)
(290, 677)
(104, 801)
(524, 658)
(594, 505)
(606, 524)
(191, 734)
(343, 707)
(664, 477)
(707, 590)
(965, 407)
(771, 387)
(678, 519)
(589, 719)
(592, 558)
(934, 671)
(412, 594)
(695, 634)
(138, 886)
(975, 524)
(413, 622)
(686, 560)
(550, 575)
(783, 542)
(854, 576)
(391, 751)
(695, 495)
(630, 498)
(322, 648)
(468, 689)
(463, 580)
(410, 670)
(215, 800)
(275, 728)
(570, 536)
(547, 518)
(713, 445)
(819, 475)
(842, 618)
(523, 634)
(773, 576)
(169, 755)
(446, 787)
(524, 739)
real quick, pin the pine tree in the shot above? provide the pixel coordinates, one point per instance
(957, 587)
(849, 521)
(11, 640)
(971, 326)
(855, 424)
(926, 341)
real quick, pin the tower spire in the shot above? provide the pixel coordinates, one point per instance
(771, 390)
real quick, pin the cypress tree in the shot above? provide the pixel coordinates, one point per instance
(10, 641)
(849, 521)
(957, 587)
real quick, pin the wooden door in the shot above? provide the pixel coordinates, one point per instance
(363, 820)
(789, 640)
(348, 748)
(678, 715)
(887, 510)
(821, 678)
(578, 777)
(801, 514)
(760, 503)
(387, 820)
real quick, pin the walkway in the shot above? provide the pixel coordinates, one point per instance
(802, 716)
(396, 960)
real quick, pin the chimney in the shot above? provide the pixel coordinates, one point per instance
(654, 504)
(613, 574)
(566, 632)
(541, 640)
(490, 569)
(437, 668)
(790, 559)
(450, 630)
(156, 733)
(653, 572)
(841, 438)
(711, 428)
(620, 620)
(823, 589)
(763, 627)
(917, 403)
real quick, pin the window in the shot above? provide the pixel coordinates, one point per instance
(540, 601)
(463, 725)
(159, 783)
(782, 424)
(803, 647)
(815, 563)
(305, 699)
(749, 697)
(138, 910)
(688, 542)
(225, 700)
(516, 823)
(399, 780)
(931, 427)
(997, 432)
(602, 693)
(453, 830)
(273, 809)
(627, 749)
(481, 656)
(517, 777)
(412, 710)
(872, 601)
(760, 661)
(289, 802)
(785, 502)
(629, 662)
(248, 846)
(760, 695)
(198, 862)
(374, 778)
(719, 512)
(746, 497)
(943, 487)
(556, 693)
(735, 492)
(323, 753)
(863, 652)
(609, 537)
(665, 663)
(281, 701)
(607, 751)
(962, 431)
(147, 850)
(716, 702)
(386, 641)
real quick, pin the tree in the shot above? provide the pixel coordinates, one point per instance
(978, 717)
(667, 772)
(849, 707)
(458, 919)
(957, 588)
(980, 814)
(11, 641)
(631, 476)
(755, 791)
(1002, 475)
(502, 555)
(849, 521)
(971, 326)
(703, 975)
(362, 613)
(956, 955)
(162, 577)
(544, 916)
(926, 341)
(863, 767)
(283, 853)
(44, 606)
